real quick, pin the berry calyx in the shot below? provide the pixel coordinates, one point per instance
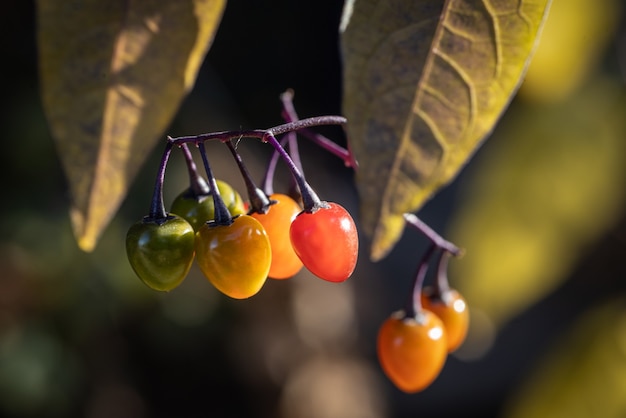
(198, 209)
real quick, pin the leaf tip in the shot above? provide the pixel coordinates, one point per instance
(386, 234)
(86, 243)
(85, 237)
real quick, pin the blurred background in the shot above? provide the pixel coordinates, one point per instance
(539, 209)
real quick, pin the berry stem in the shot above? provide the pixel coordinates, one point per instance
(268, 177)
(197, 183)
(157, 207)
(414, 305)
(222, 215)
(297, 125)
(290, 115)
(434, 237)
(294, 153)
(259, 202)
(310, 200)
(441, 284)
(260, 133)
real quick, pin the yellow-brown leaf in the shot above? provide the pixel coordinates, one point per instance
(113, 74)
(424, 83)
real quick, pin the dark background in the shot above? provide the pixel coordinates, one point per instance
(79, 337)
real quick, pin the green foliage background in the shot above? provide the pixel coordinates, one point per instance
(80, 336)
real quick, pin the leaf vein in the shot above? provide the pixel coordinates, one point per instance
(458, 32)
(466, 80)
(432, 125)
(524, 17)
(496, 37)
(439, 96)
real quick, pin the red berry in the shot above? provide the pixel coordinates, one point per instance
(326, 241)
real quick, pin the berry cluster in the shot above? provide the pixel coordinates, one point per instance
(413, 343)
(238, 245)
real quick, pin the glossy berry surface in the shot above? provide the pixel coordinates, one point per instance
(235, 258)
(197, 210)
(277, 221)
(412, 351)
(161, 252)
(326, 241)
(451, 308)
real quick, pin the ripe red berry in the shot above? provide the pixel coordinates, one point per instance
(326, 241)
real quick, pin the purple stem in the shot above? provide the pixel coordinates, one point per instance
(290, 115)
(434, 237)
(157, 207)
(259, 202)
(222, 215)
(441, 284)
(296, 125)
(331, 147)
(294, 153)
(310, 200)
(289, 111)
(268, 178)
(197, 183)
(414, 305)
(260, 133)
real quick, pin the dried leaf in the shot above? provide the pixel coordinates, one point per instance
(113, 74)
(424, 83)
